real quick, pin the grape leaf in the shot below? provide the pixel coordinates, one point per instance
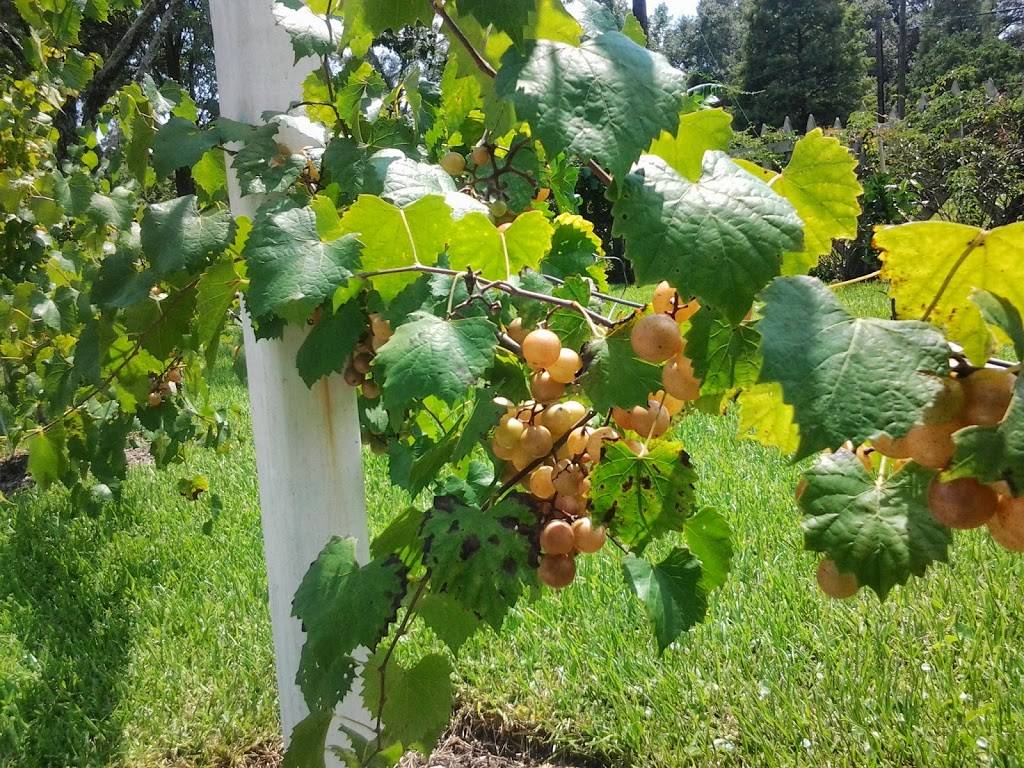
(176, 236)
(670, 592)
(721, 238)
(291, 271)
(933, 266)
(605, 100)
(347, 164)
(641, 498)
(994, 453)
(879, 529)
(342, 607)
(210, 173)
(1003, 315)
(448, 619)
(329, 345)
(180, 143)
(307, 746)
(430, 356)
(403, 181)
(417, 702)
(594, 17)
(767, 418)
(479, 558)
(614, 375)
(398, 237)
(697, 133)
(709, 536)
(821, 183)
(262, 166)
(724, 356)
(47, 456)
(477, 243)
(575, 250)
(847, 378)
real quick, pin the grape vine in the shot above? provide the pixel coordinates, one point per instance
(429, 242)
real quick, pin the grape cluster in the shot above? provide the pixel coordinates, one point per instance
(164, 386)
(358, 371)
(981, 397)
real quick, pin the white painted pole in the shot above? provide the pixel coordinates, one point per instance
(307, 440)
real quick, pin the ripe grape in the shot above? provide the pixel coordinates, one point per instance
(637, 447)
(154, 399)
(521, 458)
(371, 389)
(453, 163)
(480, 155)
(987, 395)
(664, 299)
(589, 538)
(556, 571)
(679, 380)
(536, 441)
(931, 445)
(597, 439)
(963, 503)
(561, 417)
(947, 404)
(509, 430)
(672, 404)
(893, 447)
(544, 388)
(833, 582)
(353, 377)
(362, 362)
(571, 505)
(516, 331)
(652, 421)
(1007, 525)
(503, 452)
(540, 482)
(622, 417)
(565, 368)
(689, 309)
(578, 440)
(541, 348)
(656, 338)
(174, 376)
(557, 538)
(567, 479)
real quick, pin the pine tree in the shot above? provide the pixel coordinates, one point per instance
(803, 57)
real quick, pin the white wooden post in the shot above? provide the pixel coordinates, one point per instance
(308, 452)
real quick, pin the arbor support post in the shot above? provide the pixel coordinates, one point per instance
(308, 453)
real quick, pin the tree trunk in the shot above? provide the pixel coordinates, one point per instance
(640, 11)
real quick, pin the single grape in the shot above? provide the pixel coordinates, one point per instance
(578, 441)
(652, 421)
(154, 400)
(509, 430)
(565, 368)
(963, 503)
(521, 458)
(501, 451)
(498, 208)
(541, 348)
(931, 445)
(672, 404)
(679, 380)
(545, 389)
(833, 582)
(1007, 525)
(567, 479)
(516, 331)
(987, 395)
(570, 505)
(453, 163)
(561, 417)
(540, 482)
(371, 389)
(589, 538)
(380, 328)
(174, 376)
(362, 362)
(480, 155)
(947, 404)
(536, 441)
(597, 440)
(656, 338)
(557, 538)
(556, 571)
(353, 377)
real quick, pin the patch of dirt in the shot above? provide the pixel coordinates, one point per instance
(14, 474)
(138, 456)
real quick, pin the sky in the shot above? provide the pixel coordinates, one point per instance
(675, 7)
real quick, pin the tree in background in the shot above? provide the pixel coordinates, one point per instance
(803, 57)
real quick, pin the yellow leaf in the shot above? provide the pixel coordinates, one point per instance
(932, 267)
(697, 133)
(767, 418)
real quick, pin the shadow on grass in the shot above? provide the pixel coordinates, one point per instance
(71, 618)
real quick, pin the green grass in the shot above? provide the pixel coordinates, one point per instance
(132, 638)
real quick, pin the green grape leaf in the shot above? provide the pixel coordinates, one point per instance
(261, 165)
(994, 453)
(342, 607)
(767, 418)
(477, 243)
(724, 356)
(398, 237)
(210, 173)
(404, 181)
(430, 356)
(329, 345)
(308, 743)
(510, 16)
(347, 164)
(847, 378)
(697, 133)
(47, 456)
(216, 292)
(821, 183)
(641, 498)
(479, 558)
(380, 15)
(604, 100)
(709, 536)
(614, 375)
(575, 250)
(310, 33)
(593, 16)
(401, 538)
(670, 592)
(879, 529)
(633, 29)
(180, 143)
(291, 271)
(417, 702)
(452, 623)
(933, 267)
(176, 236)
(725, 233)
(1003, 315)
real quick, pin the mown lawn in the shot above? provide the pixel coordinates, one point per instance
(134, 639)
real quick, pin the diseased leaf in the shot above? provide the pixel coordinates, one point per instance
(847, 378)
(879, 529)
(670, 592)
(720, 238)
(641, 498)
